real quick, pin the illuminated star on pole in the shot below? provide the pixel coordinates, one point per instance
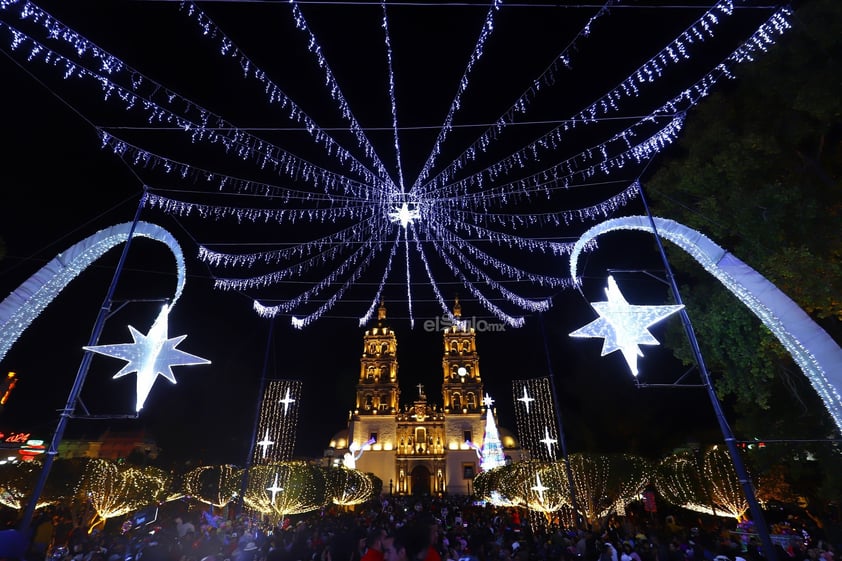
(287, 400)
(547, 441)
(539, 488)
(274, 489)
(624, 326)
(526, 399)
(265, 443)
(150, 355)
(487, 401)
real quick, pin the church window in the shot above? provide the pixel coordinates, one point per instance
(454, 346)
(466, 346)
(467, 436)
(471, 400)
(373, 437)
(457, 400)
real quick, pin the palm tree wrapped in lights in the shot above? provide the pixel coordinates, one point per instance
(346, 487)
(712, 488)
(116, 491)
(278, 490)
(606, 483)
(16, 483)
(216, 485)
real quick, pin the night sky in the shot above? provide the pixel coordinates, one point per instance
(58, 187)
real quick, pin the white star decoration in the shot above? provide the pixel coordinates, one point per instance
(526, 399)
(265, 443)
(487, 401)
(150, 355)
(274, 489)
(624, 326)
(548, 441)
(404, 215)
(287, 400)
(539, 488)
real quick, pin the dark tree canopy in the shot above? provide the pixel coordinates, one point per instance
(759, 170)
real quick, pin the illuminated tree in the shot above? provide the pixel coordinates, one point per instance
(711, 487)
(17, 480)
(605, 484)
(488, 485)
(285, 488)
(114, 491)
(348, 486)
(215, 485)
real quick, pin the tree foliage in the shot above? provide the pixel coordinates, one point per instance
(759, 171)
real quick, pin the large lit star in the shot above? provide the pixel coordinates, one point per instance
(539, 488)
(526, 399)
(275, 489)
(287, 400)
(624, 326)
(265, 443)
(404, 215)
(548, 441)
(150, 355)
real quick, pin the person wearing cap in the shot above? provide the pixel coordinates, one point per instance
(248, 553)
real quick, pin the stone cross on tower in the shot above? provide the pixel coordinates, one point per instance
(420, 391)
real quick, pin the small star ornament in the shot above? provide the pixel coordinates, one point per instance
(150, 355)
(624, 326)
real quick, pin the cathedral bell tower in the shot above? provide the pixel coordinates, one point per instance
(377, 387)
(462, 386)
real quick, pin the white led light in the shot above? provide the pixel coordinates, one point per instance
(623, 326)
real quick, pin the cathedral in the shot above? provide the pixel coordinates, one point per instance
(420, 447)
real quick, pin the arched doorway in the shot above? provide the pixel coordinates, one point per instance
(420, 480)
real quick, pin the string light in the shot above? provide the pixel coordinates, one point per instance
(25, 303)
(18, 481)
(491, 453)
(278, 421)
(347, 487)
(150, 355)
(216, 485)
(709, 485)
(114, 491)
(282, 489)
(532, 418)
(812, 349)
(623, 326)
(482, 205)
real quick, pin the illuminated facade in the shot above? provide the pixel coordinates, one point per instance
(418, 447)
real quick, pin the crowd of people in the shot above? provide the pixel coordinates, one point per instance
(396, 528)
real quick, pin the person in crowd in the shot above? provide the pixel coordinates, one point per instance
(374, 545)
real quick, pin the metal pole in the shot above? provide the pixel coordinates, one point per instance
(561, 440)
(244, 484)
(727, 433)
(81, 374)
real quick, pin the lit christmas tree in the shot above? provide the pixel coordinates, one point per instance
(492, 448)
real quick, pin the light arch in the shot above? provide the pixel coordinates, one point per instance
(815, 352)
(27, 301)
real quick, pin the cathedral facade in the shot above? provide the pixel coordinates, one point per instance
(416, 446)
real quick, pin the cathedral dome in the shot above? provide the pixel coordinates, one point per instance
(507, 439)
(339, 440)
